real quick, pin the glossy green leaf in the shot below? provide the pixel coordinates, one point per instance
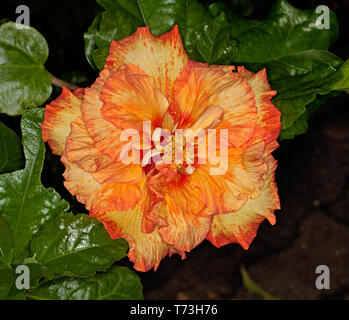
(6, 281)
(119, 20)
(38, 272)
(11, 155)
(8, 290)
(15, 294)
(24, 82)
(25, 204)
(119, 283)
(300, 126)
(205, 38)
(214, 43)
(298, 78)
(340, 80)
(286, 30)
(243, 7)
(76, 245)
(293, 49)
(318, 73)
(6, 242)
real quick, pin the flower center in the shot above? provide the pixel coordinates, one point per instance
(181, 147)
(172, 148)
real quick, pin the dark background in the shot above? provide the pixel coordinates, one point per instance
(313, 178)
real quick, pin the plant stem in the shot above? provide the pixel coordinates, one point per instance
(60, 83)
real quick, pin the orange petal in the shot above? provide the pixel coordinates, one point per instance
(241, 226)
(81, 150)
(268, 116)
(184, 222)
(212, 189)
(106, 137)
(243, 179)
(209, 119)
(161, 58)
(146, 249)
(130, 97)
(97, 196)
(58, 116)
(119, 172)
(200, 87)
(182, 197)
(184, 231)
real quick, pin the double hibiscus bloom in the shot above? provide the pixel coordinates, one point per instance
(164, 208)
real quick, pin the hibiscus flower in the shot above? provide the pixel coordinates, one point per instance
(162, 207)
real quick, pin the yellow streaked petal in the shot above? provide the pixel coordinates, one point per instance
(268, 116)
(100, 197)
(130, 97)
(59, 114)
(241, 226)
(161, 58)
(81, 150)
(201, 86)
(146, 249)
(106, 137)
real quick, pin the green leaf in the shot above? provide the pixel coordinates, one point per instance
(90, 44)
(119, 283)
(6, 281)
(205, 38)
(293, 49)
(6, 243)
(11, 156)
(253, 287)
(25, 204)
(8, 278)
(16, 294)
(300, 126)
(319, 73)
(243, 7)
(286, 30)
(339, 80)
(76, 245)
(298, 78)
(118, 21)
(24, 83)
(38, 272)
(214, 43)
